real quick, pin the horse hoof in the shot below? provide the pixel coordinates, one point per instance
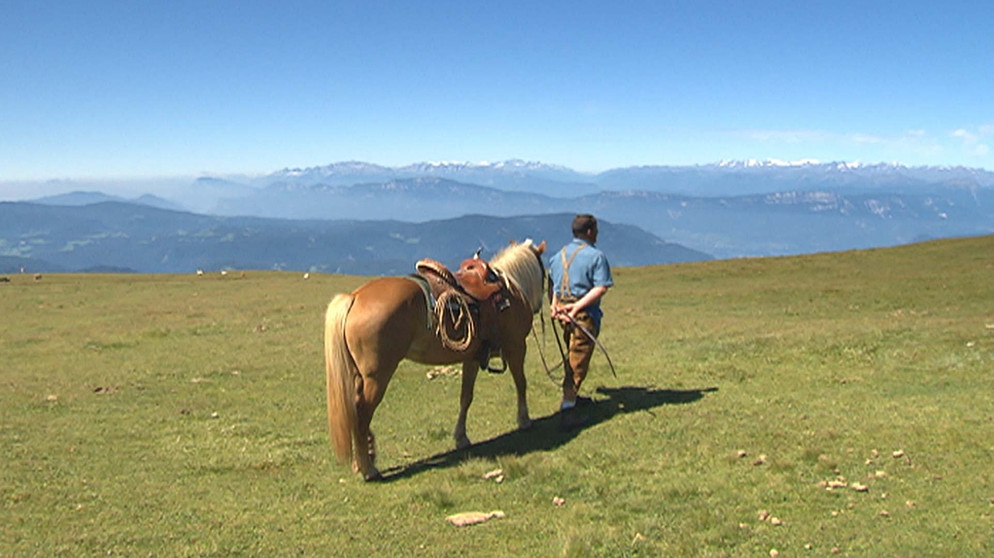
(373, 476)
(525, 425)
(463, 443)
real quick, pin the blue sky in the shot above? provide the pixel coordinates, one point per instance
(101, 89)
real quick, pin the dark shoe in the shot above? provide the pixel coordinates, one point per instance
(582, 401)
(571, 419)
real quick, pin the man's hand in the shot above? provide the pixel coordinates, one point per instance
(567, 312)
(564, 313)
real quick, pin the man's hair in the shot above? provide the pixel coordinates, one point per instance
(583, 222)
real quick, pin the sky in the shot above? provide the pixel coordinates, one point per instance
(100, 89)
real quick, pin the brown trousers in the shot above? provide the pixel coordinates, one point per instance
(580, 348)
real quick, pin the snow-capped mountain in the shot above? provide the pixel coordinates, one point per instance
(512, 175)
(765, 163)
(736, 178)
(724, 178)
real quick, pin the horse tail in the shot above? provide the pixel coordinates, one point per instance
(341, 371)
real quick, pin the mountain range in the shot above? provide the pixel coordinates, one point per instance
(113, 236)
(725, 210)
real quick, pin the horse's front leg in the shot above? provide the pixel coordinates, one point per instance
(514, 354)
(469, 371)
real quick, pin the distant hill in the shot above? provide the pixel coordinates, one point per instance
(852, 215)
(723, 179)
(127, 236)
(800, 222)
(728, 209)
(511, 176)
(81, 198)
(15, 264)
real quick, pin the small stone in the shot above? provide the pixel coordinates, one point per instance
(557, 501)
(472, 518)
(897, 454)
(776, 521)
(493, 474)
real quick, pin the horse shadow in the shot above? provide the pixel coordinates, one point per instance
(545, 433)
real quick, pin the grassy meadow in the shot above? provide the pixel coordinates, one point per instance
(832, 404)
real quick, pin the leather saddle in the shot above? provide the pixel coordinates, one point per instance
(482, 289)
(474, 278)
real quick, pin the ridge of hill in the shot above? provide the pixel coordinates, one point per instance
(728, 210)
(126, 236)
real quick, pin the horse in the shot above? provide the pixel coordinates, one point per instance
(369, 331)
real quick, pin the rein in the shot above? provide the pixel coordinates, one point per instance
(593, 338)
(541, 354)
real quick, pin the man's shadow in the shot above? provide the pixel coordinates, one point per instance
(545, 433)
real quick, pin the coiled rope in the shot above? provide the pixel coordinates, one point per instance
(459, 315)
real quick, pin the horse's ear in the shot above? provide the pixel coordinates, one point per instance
(513, 242)
(541, 248)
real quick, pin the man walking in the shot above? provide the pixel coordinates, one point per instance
(580, 276)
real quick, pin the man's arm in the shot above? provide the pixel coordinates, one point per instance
(592, 296)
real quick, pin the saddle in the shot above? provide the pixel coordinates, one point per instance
(475, 287)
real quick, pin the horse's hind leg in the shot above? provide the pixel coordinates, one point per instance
(469, 371)
(368, 396)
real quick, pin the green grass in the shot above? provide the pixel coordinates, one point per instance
(184, 416)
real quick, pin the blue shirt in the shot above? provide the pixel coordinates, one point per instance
(589, 268)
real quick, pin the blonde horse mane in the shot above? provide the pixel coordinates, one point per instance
(523, 268)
